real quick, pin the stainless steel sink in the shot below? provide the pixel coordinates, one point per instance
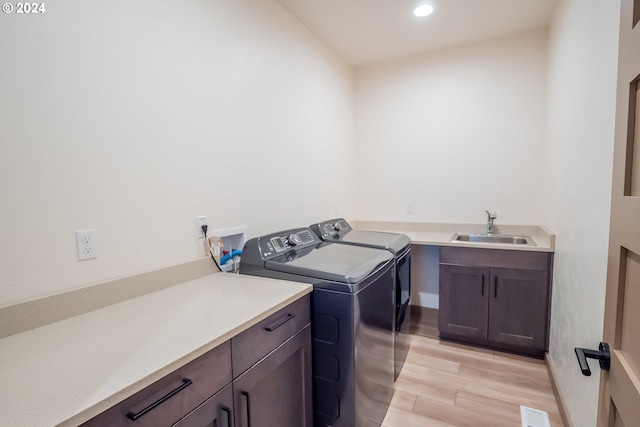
(493, 238)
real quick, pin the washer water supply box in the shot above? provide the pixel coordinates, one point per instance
(232, 240)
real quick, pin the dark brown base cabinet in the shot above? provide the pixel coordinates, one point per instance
(261, 377)
(277, 391)
(496, 298)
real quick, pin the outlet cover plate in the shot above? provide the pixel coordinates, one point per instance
(411, 207)
(86, 244)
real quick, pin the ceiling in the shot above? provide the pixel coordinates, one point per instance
(366, 32)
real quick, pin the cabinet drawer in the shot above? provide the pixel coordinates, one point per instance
(256, 342)
(502, 258)
(170, 398)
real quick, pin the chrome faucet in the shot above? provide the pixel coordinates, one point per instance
(491, 215)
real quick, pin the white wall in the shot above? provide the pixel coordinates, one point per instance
(135, 117)
(454, 132)
(582, 83)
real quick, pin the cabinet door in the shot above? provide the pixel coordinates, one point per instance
(518, 308)
(277, 390)
(214, 412)
(464, 305)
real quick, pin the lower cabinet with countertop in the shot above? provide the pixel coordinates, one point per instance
(496, 298)
(261, 376)
(272, 370)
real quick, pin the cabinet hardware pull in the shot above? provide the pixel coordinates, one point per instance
(246, 394)
(280, 323)
(482, 290)
(495, 287)
(186, 382)
(228, 412)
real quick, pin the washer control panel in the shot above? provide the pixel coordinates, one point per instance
(275, 244)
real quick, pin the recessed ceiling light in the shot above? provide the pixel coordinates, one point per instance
(423, 10)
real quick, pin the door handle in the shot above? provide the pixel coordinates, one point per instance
(603, 355)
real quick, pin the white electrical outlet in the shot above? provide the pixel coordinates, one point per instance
(86, 244)
(410, 207)
(200, 221)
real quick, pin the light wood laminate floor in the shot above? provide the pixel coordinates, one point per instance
(445, 384)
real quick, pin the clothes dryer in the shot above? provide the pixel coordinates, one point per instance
(338, 230)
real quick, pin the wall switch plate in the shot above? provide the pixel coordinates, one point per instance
(200, 221)
(86, 244)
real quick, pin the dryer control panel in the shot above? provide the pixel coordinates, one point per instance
(332, 228)
(275, 244)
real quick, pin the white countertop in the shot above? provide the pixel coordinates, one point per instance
(67, 372)
(442, 234)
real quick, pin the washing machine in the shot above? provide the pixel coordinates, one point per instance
(339, 231)
(352, 324)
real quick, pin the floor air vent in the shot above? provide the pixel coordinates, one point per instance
(533, 417)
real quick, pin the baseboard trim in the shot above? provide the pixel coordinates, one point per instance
(562, 406)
